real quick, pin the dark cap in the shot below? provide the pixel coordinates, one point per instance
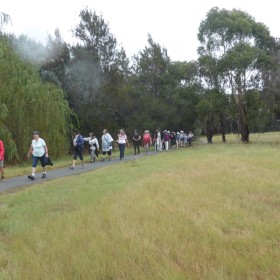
(36, 132)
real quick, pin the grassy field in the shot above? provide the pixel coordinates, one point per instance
(205, 212)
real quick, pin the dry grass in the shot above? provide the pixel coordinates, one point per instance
(206, 212)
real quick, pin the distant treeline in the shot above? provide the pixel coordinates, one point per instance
(232, 87)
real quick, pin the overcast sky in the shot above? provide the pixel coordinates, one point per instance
(173, 24)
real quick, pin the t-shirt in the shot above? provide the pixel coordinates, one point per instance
(122, 138)
(2, 150)
(38, 147)
(146, 138)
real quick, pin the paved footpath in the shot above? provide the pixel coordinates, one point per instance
(22, 181)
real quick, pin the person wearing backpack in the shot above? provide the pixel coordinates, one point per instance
(78, 143)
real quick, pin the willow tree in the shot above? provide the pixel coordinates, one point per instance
(240, 47)
(30, 104)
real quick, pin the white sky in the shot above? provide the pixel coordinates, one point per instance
(172, 23)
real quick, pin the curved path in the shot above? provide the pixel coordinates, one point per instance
(22, 181)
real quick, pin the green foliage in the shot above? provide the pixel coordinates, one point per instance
(237, 56)
(30, 104)
(95, 75)
(151, 66)
(11, 151)
(234, 49)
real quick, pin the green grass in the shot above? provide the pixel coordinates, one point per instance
(206, 212)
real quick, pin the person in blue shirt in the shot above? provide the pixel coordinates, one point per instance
(78, 144)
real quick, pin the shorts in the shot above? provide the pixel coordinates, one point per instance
(1, 163)
(106, 152)
(36, 159)
(78, 153)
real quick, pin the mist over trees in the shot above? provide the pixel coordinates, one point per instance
(92, 84)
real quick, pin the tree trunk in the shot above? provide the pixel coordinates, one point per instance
(244, 128)
(209, 128)
(223, 128)
(244, 133)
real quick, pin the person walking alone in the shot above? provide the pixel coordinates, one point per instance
(39, 151)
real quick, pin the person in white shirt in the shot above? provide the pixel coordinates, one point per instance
(190, 136)
(122, 142)
(93, 146)
(107, 144)
(39, 151)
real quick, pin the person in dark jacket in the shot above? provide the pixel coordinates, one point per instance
(78, 144)
(136, 142)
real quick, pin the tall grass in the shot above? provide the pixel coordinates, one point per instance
(206, 212)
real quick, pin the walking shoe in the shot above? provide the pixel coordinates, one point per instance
(3, 179)
(71, 167)
(31, 177)
(44, 175)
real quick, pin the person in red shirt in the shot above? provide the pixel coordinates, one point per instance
(2, 153)
(147, 141)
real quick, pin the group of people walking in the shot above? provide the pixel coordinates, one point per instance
(163, 140)
(94, 149)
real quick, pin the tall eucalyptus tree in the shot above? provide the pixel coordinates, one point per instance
(239, 47)
(96, 75)
(153, 107)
